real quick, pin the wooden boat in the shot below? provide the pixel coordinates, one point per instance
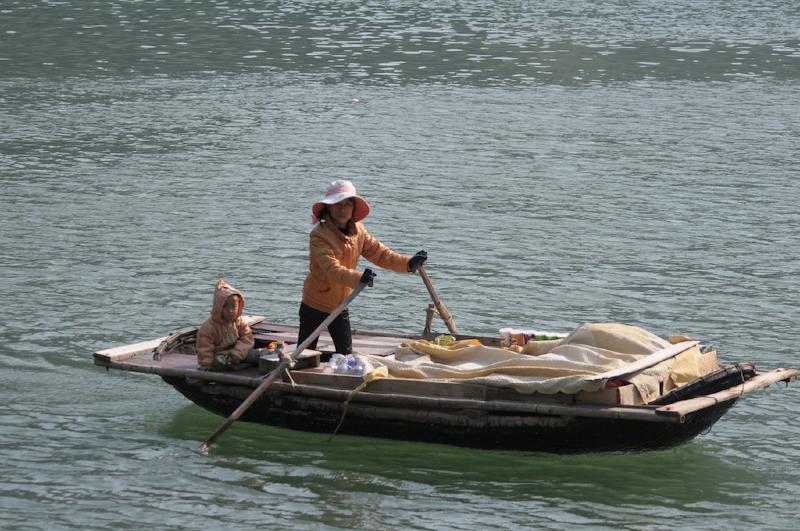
(450, 412)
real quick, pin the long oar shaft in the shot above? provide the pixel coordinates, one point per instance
(285, 362)
(444, 313)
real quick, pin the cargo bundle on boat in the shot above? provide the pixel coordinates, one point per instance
(603, 387)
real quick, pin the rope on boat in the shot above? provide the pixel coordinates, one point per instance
(741, 393)
(347, 400)
(742, 378)
(373, 375)
(289, 376)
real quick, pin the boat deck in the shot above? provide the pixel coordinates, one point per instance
(140, 354)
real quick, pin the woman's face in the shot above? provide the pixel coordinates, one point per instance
(342, 212)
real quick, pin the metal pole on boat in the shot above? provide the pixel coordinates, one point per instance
(287, 361)
(444, 313)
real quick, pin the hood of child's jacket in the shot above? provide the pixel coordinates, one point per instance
(222, 291)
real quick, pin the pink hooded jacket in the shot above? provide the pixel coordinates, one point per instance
(215, 335)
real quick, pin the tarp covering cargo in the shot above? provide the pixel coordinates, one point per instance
(567, 366)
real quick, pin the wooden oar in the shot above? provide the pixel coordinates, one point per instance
(444, 313)
(287, 361)
(651, 360)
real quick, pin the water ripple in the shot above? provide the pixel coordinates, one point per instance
(561, 162)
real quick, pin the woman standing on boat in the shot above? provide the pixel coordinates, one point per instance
(336, 243)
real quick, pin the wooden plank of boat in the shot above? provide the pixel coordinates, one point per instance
(184, 366)
(760, 381)
(625, 395)
(269, 326)
(405, 386)
(385, 334)
(638, 413)
(645, 363)
(129, 351)
(364, 342)
(376, 346)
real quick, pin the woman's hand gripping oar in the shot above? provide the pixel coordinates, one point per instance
(287, 361)
(444, 313)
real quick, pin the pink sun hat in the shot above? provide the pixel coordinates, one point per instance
(340, 190)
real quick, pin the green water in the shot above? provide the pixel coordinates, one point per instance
(562, 162)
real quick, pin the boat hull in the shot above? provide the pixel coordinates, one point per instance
(474, 429)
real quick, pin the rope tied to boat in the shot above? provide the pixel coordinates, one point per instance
(375, 374)
(288, 375)
(743, 380)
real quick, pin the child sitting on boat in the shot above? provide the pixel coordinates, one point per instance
(225, 340)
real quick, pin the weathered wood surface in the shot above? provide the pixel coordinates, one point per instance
(626, 395)
(128, 351)
(391, 385)
(496, 430)
(760, 381)
(390, 400)
(373, 343)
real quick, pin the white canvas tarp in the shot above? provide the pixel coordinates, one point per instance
(568, 366)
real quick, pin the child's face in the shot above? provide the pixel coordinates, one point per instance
(230, 309)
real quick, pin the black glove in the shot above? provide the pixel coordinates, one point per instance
(368, 276)
(416, 261)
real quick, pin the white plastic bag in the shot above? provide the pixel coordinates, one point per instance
(352, 364)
